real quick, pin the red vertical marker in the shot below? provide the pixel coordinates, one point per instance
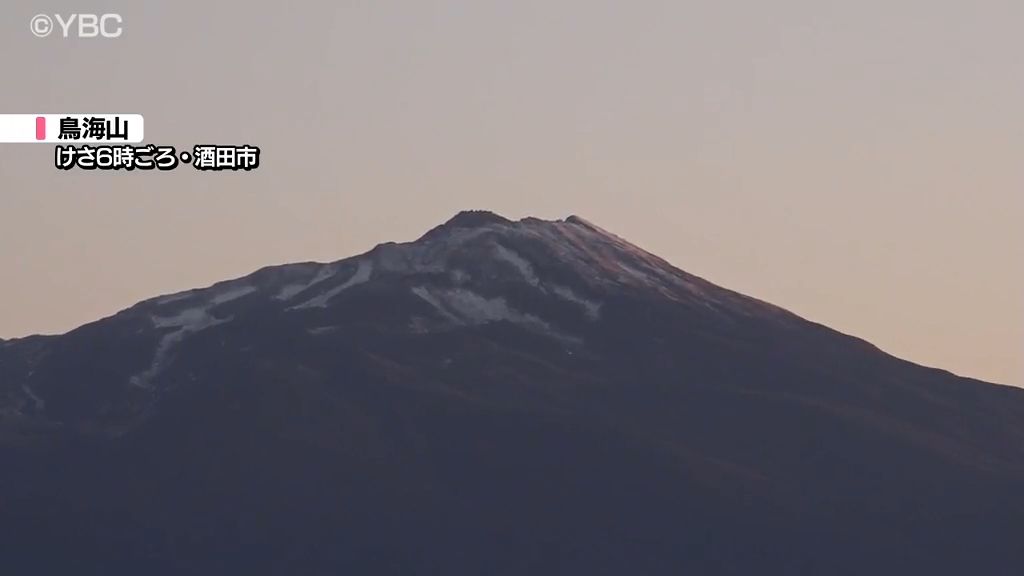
(40, 127)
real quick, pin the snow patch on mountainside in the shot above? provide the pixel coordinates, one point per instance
(182, 324)
(427, 296)
(520, 263)
(430, 254)
(289, 291)
(231, 294)
(171, 298)
(467, 308)
(362, 274)
(591, 308)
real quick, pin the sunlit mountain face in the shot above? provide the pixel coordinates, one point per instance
(497, 397)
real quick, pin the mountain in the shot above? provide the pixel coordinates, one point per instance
(496, 397)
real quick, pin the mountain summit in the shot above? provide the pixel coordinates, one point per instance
(552, 279)
(495, 397)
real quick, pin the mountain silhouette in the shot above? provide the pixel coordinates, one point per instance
(496, 397)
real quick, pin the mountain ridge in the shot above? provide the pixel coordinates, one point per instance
(465, 220)
(530, 396)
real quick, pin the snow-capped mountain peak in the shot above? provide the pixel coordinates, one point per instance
(555, 279)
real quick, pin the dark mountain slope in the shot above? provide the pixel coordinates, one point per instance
(496, 397)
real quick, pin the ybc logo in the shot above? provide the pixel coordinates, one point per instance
(78, 25)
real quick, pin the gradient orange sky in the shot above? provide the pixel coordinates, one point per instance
(856, 162)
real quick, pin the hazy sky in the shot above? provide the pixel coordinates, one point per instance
(859, 163)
